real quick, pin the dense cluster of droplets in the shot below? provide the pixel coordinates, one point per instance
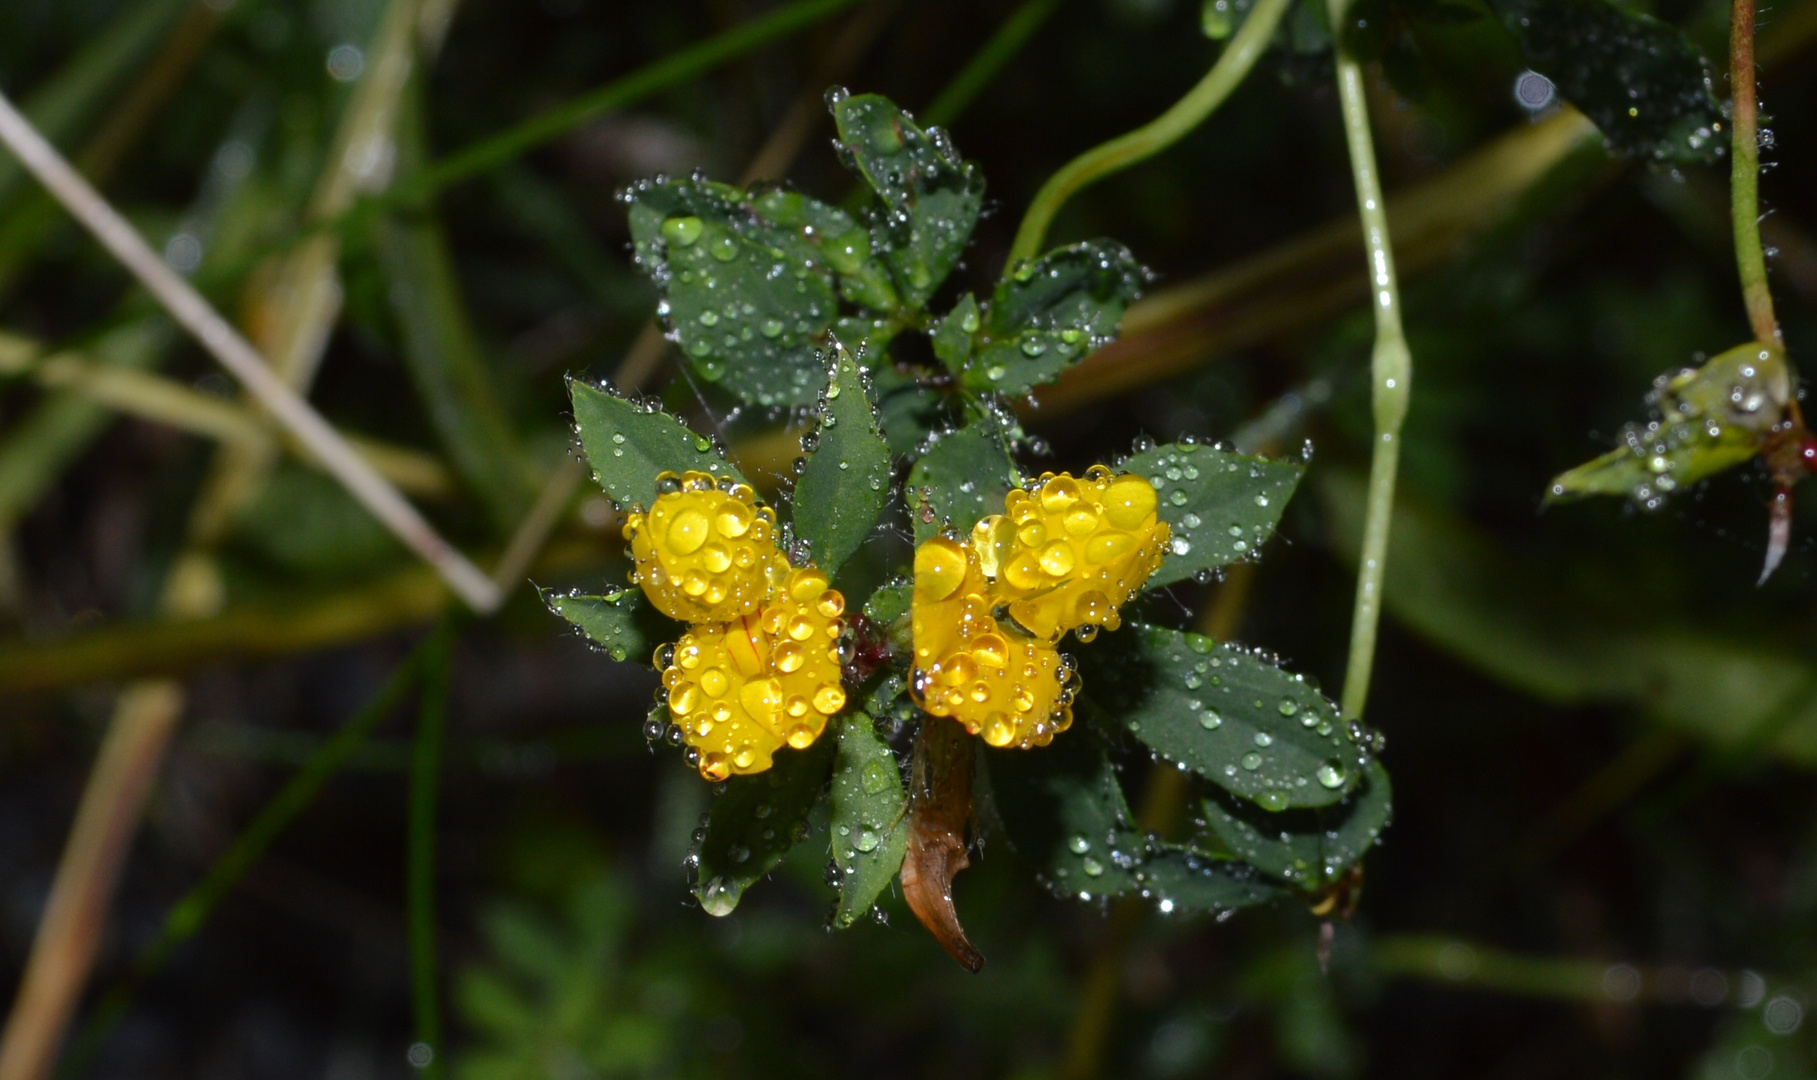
(988, 615)
(705, 552)
(740, 690)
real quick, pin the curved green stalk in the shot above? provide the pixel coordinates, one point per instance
(1152, 138)
(1391, 371)
(1744, 174)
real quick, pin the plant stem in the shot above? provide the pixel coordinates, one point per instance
(237, 355)
(1152, 138)
(1391, 370)
(1744, 174)
(425, 776)
(75, 916)
(988, 60)
(671, 70)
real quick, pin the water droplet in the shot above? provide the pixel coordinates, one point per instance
(1332, 774)
(1078, 844)
(1251, 761)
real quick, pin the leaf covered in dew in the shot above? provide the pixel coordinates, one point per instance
(1307, 849)
(1710, 418)
(1048, 313)
(964, 474)
(1065, 812)
(755, 823)
(908, 410)
(1643, 84)
(931, 196)
(751, 282)
(619, 622)
(629, 444)
(1221, 507)
(1255, 730)
(845, 484)
(870, 817)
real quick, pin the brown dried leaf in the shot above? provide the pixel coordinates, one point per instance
(940, 807)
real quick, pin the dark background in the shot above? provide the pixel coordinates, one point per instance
(1577, 824)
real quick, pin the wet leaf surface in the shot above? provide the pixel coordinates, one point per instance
(843, 490)
(1050, 312)
(1306, 848)
(965, 475)
(1067, 814)
(870, 817)
(1251, 728)
(1644, 85)
(931, 197)
(619, 622)
(755, 823)
(1220, 506)
(628, 444)
(749, 296)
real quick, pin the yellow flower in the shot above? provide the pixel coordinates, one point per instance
(741, 689)
(999, 683)
(1068, 553)
(1064, 555)
(705, 552)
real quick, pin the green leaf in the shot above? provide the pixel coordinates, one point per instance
(1306, 848)
(1065, 811)
(748, 297)
(931, 196)
(1643, 84)
(963, 476)
(870, 817)
(1237, 720)
(1711, 418)
(628, 444)
(618, 622)
(953, 335)
(1183, 881)
(890, 602)
(846, 484)
(1220, 506)
(1050, 312)
(755, 823)
(907, 410)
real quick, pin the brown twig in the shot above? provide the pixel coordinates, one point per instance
(70, 932)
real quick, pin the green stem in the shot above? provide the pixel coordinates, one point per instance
(1152, 138)
(1391, 369)
(988, 60)
(191, 912)
(425, 775)
(671, 70)
(1744, 174)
